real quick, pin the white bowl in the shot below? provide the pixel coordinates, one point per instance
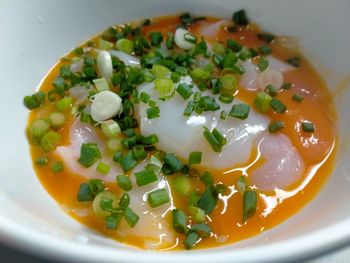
(34, 34)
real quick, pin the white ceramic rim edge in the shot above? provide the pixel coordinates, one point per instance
(299, 248)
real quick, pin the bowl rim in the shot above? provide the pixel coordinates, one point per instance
(313, 244)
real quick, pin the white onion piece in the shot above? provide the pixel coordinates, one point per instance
(249, 79)
(278, 65)
(79, 94)
(127, 59)
(105, 105)
(180, 39)
(283, 164)
(212, 30)
(270, 77)
(104, 64)
(252, 76)
(77, 66)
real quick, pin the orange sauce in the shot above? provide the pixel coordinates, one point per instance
(317, 150)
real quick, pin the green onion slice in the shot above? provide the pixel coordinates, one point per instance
(158, 197)
(240, 111)
(179, 220)
(145, 177)
(249, 204)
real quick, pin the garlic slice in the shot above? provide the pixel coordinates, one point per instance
(105, 105)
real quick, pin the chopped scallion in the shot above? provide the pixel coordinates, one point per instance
(64, 104)
(170, 42)
(189, 108)
(125, 45)
(145, 177)
(42, 161)
(110, 128)
(294, 61)
(57, 167)
(240, 18)
(164, 87)
(214, 143)
(179, 220)
(223, 115)
(150, 140)
(207, 178)
(193, 198)
(127, 162)
(262, 102)
(199, 74)
(34, 101)
(191, 240)
(203, 230)
(103, 168)
(85, 193)
(139, 152)
(276, 126)
(56, 119)
(50, 140)
(264, 50)
(308, 126)
(249, 204)
(158, 197)
(184, 90)
(88, 190)
(101, 84)
(114, 144)
(220, 188)
(156, 38)
(89, 154)
(153, 112)
(160, 71)
(85, 117)
(267, 37)
(271, 90)
(131, 217)
(38, 129)
(286, 86)
(112, 221)
(124, 182)
(124, 201)
(182, 185)
(208, 200)
(219, 48)
(241, 184)
(195, 158)
(172, 162)
(104, 45)
(234, 45)
(277, 105)
(219, 137)
(263, 64)
(297, 98)
(144, 97)
(240, 111)
(227, 99)
(197, 214)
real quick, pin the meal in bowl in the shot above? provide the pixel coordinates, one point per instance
(179, 132)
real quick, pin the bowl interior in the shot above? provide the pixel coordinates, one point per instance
(37, 33)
